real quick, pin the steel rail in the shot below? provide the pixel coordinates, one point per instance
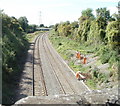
(42, 76)
(36, 43)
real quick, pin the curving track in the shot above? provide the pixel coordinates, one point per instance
(51, 75)
(47, 79)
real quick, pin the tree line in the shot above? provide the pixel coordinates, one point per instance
(104, 28)
(101, 32)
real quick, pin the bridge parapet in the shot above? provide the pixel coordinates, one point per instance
(44, 29)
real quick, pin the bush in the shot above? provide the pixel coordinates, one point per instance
(114, 57)
(105, 54)
(14, 45)
(95, 72)
(113, 35)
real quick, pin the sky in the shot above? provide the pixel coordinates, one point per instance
(50, 12)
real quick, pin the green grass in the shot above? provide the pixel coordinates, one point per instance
(64, 44)
(30, 37)
(91, 84)
(67, 49)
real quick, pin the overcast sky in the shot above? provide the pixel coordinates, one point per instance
(53, 11)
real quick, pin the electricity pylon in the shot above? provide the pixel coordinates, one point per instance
(40, 18)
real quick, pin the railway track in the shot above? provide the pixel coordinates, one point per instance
(48, 79)
(50, 75)
(69, 75)
(58, 71)
(39, 87)
(67, 70)
(52, 82)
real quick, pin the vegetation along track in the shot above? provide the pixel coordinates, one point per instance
(51, 76)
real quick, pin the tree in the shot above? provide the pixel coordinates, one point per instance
(84, 24)
(74, 25)
(14, 44)
(118, 8)
(67, 22)
(56, 27)
(64, 29)
(113, 35)
(41, 25)
(24, 23)
(116, 16)
(98, 27)
(15, 25)
(88, 13)
(94, 32)
(83, 30)
(104, 13)
(51, 26)
(32, 28)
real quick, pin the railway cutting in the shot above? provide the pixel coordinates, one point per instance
(50, 78)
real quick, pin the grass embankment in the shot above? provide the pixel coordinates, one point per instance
(31, 36)
(14, 54)
(100, 77)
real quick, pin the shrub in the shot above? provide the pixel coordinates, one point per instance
(113, 35)
(13, 46)
(104, 54)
